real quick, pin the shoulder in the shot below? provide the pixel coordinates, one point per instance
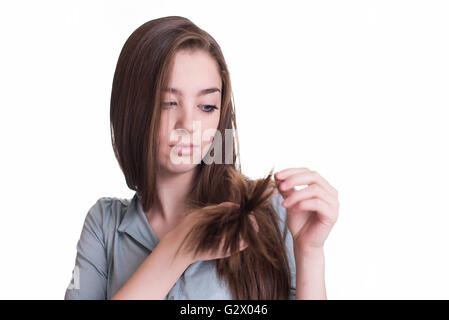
(104, 216)
(106, 208)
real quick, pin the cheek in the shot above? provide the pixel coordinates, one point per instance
(209, 129)
(164, 129)
(211, 123)
(164, 138)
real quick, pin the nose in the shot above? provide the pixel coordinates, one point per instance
(187, 125)
(186, 120)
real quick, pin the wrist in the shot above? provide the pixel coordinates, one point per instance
(172, 242)
(308, 251)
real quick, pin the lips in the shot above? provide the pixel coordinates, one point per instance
(184, 145)
(184, 148)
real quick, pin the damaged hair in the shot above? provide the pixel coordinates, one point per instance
(261, 270)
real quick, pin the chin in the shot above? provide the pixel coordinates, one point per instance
(182, 167)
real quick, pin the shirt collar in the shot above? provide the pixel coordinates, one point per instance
(135, 224)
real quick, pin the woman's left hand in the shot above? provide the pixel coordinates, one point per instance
(311, 211)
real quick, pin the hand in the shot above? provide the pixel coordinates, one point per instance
(312, 211)
(178, 234)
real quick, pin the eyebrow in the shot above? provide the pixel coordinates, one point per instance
(200, 93)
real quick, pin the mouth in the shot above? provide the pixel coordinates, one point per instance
(184, 145)
(183, 149)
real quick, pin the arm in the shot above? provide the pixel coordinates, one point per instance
(89, 280)
(157, 274)
(310, 279)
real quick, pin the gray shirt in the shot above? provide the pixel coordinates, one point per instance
(116, 238)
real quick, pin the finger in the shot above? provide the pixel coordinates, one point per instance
(312, 191)
(254, 222)
(285, 193)
(284, 174)
(305, 178)
(243, 244)
(227, 204)
(281, 175)
(321, 207)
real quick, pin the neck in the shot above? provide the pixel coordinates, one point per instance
(172, 191)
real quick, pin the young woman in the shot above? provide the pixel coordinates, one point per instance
(196, 228)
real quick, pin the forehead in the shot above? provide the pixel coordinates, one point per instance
(192, 71)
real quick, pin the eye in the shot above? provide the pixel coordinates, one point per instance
(206, 107)
(168, 104)
(210, 108)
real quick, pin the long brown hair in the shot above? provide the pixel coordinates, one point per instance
(260, 271)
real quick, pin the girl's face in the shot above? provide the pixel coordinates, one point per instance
(190, 111)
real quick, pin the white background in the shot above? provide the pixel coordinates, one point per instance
(356, 90)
